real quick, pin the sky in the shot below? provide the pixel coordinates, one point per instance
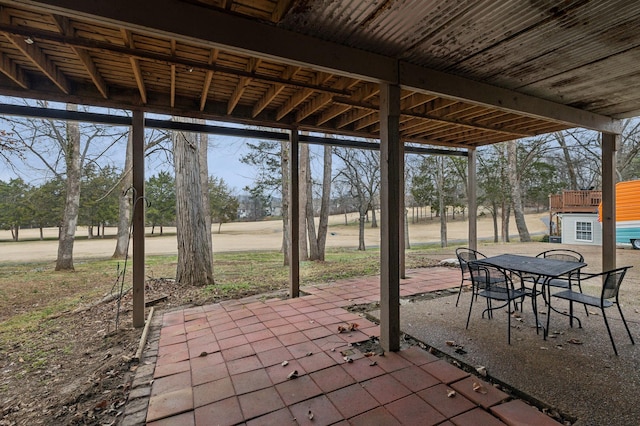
(224, 157)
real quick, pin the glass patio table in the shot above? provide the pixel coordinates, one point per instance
(540, 269)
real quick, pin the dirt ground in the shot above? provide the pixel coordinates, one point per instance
(88, 380)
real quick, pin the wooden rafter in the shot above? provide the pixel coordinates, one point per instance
(281, 9)
(26, 45)
(301, 95)
(363, 93)
(213, 57)
(40, 60)
(64, 26)
(172, 83)
(127, 36)
(362, 123)
(252, 66)
(322, 99)
(13, 71)
(274, 90)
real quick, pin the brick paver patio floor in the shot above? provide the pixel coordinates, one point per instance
(233, 363)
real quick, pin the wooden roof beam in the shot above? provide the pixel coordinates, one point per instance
(40, 60)
(274, 90)
(252, 66)
(26, 45)
(301, 95)
(323, 99)
(217, 28)
(409, 113)
(13, 71)
(172, 82)
(64, 26)
(363, 93)
(281, 9)
(213, 57)
(127, 36)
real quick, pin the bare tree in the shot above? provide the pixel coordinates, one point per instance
(514, 183)
(321, 240)
(124, 202)
(361, 172)
(304, 174)
(195, 257)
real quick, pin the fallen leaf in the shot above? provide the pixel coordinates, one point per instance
(309, 353)
(293, 375)
(348, 359)
(450, 342)
(285, 363)
(544, 348)
(574, 341)
(353, 326)
(373, 364)
(341, 329)
(482, 370)
(451, 393)
(203, 353)
(369, 354)
(477, 387)
(310, 415)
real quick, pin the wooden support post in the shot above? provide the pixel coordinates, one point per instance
(294, 215)
(138, 218)
(390, 169)
(403, 245)
(472, 185)
(610, 143)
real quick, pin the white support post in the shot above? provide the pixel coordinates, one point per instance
(390, 172)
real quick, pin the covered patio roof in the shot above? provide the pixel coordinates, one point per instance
(453, 73)
(471, 72)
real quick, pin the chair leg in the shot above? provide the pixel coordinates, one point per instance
(606, 322)
(508, 323)
(459, 291)
(470, 307)
(624, 321)
(586, 309)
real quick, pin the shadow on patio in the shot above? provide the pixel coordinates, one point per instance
(234, 362)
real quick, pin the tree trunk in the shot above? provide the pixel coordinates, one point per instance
(407, 244)
(203, 148)
(310, 219)
(514, 183)
(124, 206)
(326, 201)
(302, 224)
(284, 165)
(573, 179)
(442, 208)
(494, 217)
(363, 220)
(374, 220)
(41, 234)
(195, 259)
(15, 232)
(64, 262)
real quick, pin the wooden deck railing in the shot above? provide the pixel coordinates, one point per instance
(575, 201)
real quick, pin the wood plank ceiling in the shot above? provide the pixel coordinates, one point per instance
(577, 53)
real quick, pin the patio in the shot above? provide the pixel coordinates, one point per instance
(223, 364)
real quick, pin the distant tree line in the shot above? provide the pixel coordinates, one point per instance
(23, 205)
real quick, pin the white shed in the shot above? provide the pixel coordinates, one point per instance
(581, 228)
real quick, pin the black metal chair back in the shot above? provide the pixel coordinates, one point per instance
(609, 296)
(466, 255)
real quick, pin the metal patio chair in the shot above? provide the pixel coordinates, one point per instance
(493, 284)
(611, 282)
(466, 255)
